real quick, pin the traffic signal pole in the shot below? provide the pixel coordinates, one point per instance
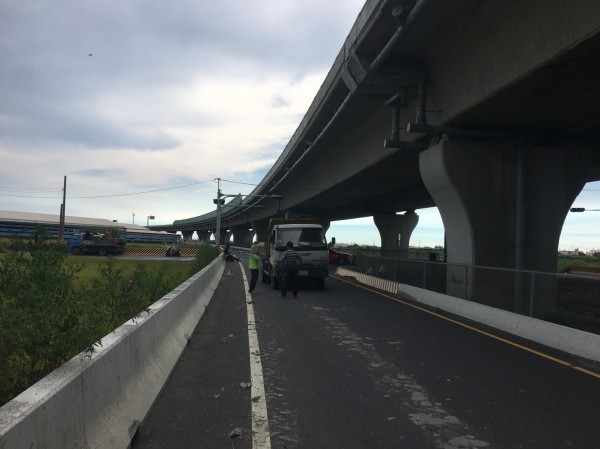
(220, 200)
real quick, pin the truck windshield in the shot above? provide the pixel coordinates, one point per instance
(303, 238)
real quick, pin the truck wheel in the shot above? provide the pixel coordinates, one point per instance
(75, 251)
(102, 251)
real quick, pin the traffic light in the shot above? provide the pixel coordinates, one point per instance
(578, 209)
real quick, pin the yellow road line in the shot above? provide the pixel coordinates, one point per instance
(475, 329)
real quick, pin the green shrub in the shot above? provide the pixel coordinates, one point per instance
(206, 254)
(40, 324)
(49, 312)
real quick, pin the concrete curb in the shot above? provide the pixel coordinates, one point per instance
(100, 401)
(573, 341)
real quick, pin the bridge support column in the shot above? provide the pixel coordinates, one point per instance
(187, 235)
(203, 236)
(503, 206)
(225, 236)
(395, 230)
(242, 236)
(261, 227)
(238, 235)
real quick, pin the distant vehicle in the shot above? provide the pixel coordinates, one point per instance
(88, 243)
(339, 258)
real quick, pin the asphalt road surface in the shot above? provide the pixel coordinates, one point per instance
(347, 367)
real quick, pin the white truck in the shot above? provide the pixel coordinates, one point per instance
(309, 240)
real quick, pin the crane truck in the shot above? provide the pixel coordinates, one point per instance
(308, 238)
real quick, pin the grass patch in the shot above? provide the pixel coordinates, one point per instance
(89, 267)
(564, 263)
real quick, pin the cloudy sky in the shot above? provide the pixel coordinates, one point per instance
(141, 95)
(142, 104)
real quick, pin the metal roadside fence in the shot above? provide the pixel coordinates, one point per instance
(571, 299)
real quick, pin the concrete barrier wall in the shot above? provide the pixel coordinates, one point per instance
(573, 341)
(99, 401)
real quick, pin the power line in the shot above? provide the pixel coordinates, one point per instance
(107, 196)
(140, 193)
(59, 190)
(21, 189)
(30, 196)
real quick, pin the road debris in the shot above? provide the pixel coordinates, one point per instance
(227, 338)
(237, 432)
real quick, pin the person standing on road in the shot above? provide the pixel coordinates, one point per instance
(253, 261)
(290, 261)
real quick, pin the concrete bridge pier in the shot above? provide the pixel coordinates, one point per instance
(187, 235)
(242, 236)
(503, 205)
(250, 236)
(203, 236)
(261, 227)
(395, 230)
(225, 237)
(239, 235)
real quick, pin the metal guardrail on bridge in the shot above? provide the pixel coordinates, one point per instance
(577, 294)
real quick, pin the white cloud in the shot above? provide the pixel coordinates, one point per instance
(173, 93)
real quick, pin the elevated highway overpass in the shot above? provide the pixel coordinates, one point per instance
(498, 127)
(486, 110)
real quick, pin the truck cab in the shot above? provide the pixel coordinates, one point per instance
(310, 242)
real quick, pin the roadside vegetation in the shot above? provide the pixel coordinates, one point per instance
(53, 307)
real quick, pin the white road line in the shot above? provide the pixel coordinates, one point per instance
(261, 438)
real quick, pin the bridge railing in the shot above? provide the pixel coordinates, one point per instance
(569, 299)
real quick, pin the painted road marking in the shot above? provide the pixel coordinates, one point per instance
(261, 438)
(480, 331)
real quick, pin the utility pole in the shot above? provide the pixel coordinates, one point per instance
(218, 202)
(61, 223)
